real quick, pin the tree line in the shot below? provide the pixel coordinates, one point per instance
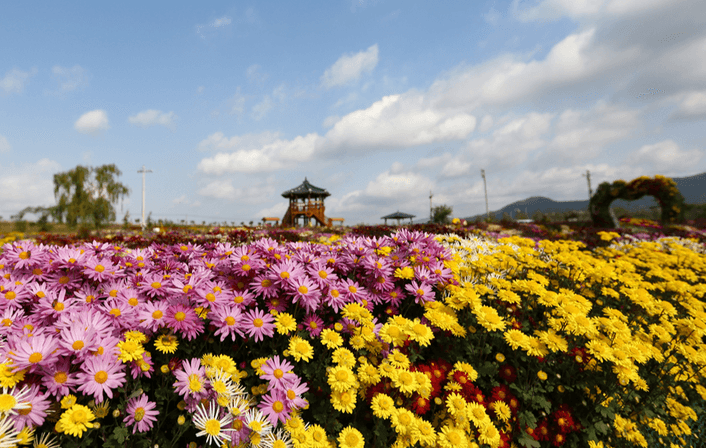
(85, 197)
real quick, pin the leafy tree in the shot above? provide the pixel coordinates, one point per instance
(441, 214)
(86, 195)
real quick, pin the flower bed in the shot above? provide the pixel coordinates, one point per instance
(411, 339)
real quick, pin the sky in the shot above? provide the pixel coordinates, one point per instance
(380, 102)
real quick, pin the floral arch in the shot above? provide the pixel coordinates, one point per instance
(661, 188)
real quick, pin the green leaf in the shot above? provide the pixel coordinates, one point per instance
(120, 433)
(527, 419)
(527, 441)
(601, 427)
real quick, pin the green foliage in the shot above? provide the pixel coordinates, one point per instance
(441, 214)
(86, 195)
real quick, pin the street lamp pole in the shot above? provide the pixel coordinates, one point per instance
(143, 171)
(482, 173)
(588, 177)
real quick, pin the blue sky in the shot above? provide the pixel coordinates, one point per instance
(380, 102)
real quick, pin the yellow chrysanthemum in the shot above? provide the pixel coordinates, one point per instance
(502, 410)
(403, 421)
(419, 333)
(166, 343)
(368, 374)
(423, 432)
(516, 339)
(341, 378)
(344, 401)
(285, 323)
(350, 438)
(75, 420)
(382, 405)
(343, 357)
(300, 349)
(489, 319)
(331, 339)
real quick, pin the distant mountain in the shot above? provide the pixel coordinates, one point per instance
(693, 188)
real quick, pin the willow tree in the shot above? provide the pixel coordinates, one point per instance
(86, 195)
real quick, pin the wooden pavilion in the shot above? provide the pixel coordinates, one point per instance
(399, 216)
(306, 202)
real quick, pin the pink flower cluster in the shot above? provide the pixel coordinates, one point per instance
(64, 306)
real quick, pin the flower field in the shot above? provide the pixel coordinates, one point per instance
(428, 336)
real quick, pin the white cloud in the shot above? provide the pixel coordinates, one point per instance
(692, 107)
(220, 189)
(279, 93)
(270, 157)
(70, 79)
(398, 186)
(492, 16)
(4, 144)
(218, 141)
(397, 121)
(200, 89)
(15, 80)
(485, 124)
(260, 109)
(664, 156)
(92, 122)
(27, 185)
(223, 21)
(249, 192)
(152, 117)
(330, 121)
(237, 103)
(349, 68)
(254, 75)
(276, 211)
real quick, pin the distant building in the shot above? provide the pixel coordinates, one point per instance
(399, 216)
(306, 203)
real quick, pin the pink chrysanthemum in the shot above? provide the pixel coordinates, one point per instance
(274, 407)
(99, 269)
(151, 314)
(191, 379)
(334, 298)
(422, 292)
(183, 318)
(37, 411)
(33, 352)
(78, 341)
(141, 413)
(294, 390)
(58, 378)
(100, 375)
(352, 290)
(306, 293)
(264, 286)
(258, 324)
(228, 320)
(323, 275)
(153, 285)
(313, 324)
(278, 372)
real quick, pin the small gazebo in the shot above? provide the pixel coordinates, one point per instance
(399, 216)
(307, 202)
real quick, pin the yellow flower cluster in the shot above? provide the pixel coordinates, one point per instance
(580, 295)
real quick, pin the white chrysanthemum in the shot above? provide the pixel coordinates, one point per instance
(13, 400)
(258, 422)
(210, 424)
(222, 383)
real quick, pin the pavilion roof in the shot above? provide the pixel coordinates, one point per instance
(305, 190)
(398, 215)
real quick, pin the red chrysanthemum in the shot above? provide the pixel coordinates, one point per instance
(508, 373)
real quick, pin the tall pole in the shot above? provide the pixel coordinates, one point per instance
(482, 173)
(430, 209)
(143, 171)
(588, 177)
